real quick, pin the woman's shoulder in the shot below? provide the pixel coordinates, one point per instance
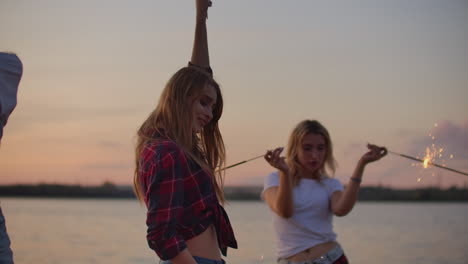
(161, 147)
(332, 184)
(271, 180)
(163, 143)
(273, 175)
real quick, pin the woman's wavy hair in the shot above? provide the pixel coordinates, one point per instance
(295, 145)
(173, 119)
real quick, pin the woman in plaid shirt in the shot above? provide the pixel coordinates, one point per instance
(178, 151)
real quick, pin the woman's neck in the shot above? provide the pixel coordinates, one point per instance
(314, 175)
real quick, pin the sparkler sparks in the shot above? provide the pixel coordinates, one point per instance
(428, 163)
(433, 153)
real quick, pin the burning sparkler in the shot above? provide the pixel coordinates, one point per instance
(432, 153)
(428, 161)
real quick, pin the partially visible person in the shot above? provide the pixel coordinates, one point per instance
(11, 70)
(303, 197)
(178, 155)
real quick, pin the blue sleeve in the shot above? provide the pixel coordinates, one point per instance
(333, 185)
(11, 70)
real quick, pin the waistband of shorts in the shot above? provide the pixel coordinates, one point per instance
(208, 261)
(199, 260)
(328, 258)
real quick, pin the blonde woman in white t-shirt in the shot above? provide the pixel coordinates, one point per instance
(304, 198)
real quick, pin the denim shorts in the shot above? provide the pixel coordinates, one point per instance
(199, 260)
(335, 255)
(6, 256)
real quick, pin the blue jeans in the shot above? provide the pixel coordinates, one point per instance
(199, 260)
(336, 255)
(6, 256)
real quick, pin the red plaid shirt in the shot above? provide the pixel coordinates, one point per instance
(181, 200)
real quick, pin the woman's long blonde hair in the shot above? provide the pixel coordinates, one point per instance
(295, 144)
(173, 119)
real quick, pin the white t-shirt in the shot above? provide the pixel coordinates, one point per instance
(311, 223)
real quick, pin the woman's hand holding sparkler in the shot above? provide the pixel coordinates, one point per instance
(279, 198)
(375, 153)
(342, 202)
(275, 160)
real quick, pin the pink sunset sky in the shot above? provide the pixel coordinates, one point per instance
(383, 72)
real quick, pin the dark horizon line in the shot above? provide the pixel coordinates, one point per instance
(109, 184)
(109, 190)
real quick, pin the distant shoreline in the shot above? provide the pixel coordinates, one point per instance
(238, 193)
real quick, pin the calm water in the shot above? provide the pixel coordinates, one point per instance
(48, 231)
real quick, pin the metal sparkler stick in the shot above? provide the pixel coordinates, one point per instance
(392, 152)
(429, 163)
(242, 162)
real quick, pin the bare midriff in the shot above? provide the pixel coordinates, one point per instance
(314, 252)
(205, 245)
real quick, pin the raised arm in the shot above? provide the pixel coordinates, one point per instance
(343, 202)
(200, 55)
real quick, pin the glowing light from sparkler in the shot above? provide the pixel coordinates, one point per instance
(426, 163)
(432, 154)
(429, 156)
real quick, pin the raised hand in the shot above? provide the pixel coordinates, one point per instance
(375, 153)
(202, 8)
(275, 160)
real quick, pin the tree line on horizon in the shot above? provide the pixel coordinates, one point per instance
(110, 190)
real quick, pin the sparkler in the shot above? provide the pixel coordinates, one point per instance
(431, 154)
(242, 162)
(427, 161)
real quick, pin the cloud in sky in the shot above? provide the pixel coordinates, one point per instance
(395, 171)
(452, 137)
